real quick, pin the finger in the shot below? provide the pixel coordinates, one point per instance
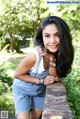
(41, 53)
(39, 50)
(38, 47)
(51, 77)
(56, 78)
(50, 82)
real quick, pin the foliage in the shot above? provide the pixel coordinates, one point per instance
(20, 18)
(7, 65)
(70, 13)
(5, 80)
(72, 82)
(6, 102)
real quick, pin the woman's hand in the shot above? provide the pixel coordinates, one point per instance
(40, 51)
(50, 57)
(50, 80)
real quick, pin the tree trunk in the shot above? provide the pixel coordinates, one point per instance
(35, 27)
(12, 43)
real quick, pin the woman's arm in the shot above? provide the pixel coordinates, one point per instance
(26, 64)
(52, 64)
(52, 68)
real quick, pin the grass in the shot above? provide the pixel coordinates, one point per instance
(14, 59)
(14, 64)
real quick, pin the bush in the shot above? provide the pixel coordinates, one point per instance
(6, 101)
(72, 83)
(3, 73)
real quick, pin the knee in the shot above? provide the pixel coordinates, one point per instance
(34, 117)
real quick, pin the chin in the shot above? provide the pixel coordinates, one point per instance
(51, 51)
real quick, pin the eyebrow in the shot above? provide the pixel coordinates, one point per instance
(54, 33)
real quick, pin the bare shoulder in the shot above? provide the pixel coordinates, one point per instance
(29, 60)
(25, 65)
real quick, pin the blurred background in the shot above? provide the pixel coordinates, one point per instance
(19, 20)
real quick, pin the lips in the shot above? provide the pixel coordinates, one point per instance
(52, 46)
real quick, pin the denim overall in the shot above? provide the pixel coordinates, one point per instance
(29, 95)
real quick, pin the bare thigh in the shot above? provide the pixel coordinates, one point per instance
(36, 113)
(23, 115)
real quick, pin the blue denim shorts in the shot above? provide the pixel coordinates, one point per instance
(28, 95)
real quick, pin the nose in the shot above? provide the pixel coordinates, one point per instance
(52, 39)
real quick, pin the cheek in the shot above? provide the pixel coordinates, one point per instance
(45, 41)
(58, 40)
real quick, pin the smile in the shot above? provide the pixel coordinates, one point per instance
(53, 46)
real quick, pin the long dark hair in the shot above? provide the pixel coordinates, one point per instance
(65, 54)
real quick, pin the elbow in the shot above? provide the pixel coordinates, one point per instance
(16, 75)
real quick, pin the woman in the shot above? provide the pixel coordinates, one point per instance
(42, 66)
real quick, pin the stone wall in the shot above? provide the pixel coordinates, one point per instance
(56, 106)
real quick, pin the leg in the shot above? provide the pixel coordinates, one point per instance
(37, 104)
(23, 115)
(22, 103)
(36, 113)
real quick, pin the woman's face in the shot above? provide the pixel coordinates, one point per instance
(51, 38)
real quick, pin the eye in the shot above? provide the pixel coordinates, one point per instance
(57, 34)
(47, 36)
